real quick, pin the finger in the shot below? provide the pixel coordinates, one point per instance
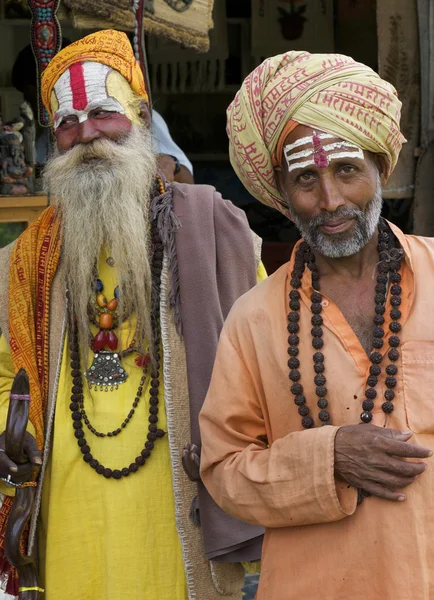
(403, 468)
(24, 473)
(30, 447)
(407, 450)
(375, 489)
(6, 464)
(196, 459)
(392, 481)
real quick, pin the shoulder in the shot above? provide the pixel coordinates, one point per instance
(206, 199)
(204, 204)
(421, 251)
(257, 307)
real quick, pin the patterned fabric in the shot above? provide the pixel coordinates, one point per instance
(330, 92)
(109, 47)
(32, 268)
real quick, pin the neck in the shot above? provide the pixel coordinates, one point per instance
(355, 266)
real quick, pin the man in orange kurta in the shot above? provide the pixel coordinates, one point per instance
(341, 336)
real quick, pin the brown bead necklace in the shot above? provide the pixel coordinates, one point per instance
(390, 256)
(78, 413)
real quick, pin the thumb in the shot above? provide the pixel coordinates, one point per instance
(32, 450)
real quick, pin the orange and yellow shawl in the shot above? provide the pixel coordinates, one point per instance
(33, 264)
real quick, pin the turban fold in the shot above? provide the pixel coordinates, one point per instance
(329, 92)
(109, 47)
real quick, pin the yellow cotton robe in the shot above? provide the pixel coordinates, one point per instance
(104, 538)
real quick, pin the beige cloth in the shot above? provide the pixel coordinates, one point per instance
(189, 27)
(318, 545)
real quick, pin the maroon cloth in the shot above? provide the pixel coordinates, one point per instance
(216, 263)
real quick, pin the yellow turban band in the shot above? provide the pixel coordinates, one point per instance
(329, 92)
(109, 47)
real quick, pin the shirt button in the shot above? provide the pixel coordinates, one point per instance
(324, 303)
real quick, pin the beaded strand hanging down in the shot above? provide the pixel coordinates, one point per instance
(390, 256)
(78, 413)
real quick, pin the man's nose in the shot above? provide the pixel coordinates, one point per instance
(87, 132)
(330, 195)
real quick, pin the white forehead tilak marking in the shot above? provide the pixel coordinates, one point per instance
(348, 150)
(92, 87)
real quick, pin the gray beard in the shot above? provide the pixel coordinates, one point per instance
(102, 190)
(345, 243)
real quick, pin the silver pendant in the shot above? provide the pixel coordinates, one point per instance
(106, 372)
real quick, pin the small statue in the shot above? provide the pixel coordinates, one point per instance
(15, 174)
(29, 133)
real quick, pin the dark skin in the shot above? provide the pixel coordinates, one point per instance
(112, 125)
(366, 456)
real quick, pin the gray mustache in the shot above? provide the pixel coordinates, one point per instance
(340, 213)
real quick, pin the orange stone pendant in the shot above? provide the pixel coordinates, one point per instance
(101, 300)
(112, 305)
(106, 321)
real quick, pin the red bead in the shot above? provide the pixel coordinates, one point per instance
(142, 360)
(112, 340)
(100, 340)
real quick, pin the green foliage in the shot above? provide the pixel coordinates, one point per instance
(9, 232)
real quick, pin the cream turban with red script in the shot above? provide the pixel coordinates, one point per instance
(329, 92)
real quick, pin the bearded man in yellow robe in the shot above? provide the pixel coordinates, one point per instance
(113, 302)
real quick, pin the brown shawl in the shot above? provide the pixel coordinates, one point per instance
(216, 262)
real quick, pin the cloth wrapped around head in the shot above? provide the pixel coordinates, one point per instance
(329, 92)
(110, 48)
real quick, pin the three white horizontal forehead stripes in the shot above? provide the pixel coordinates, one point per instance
(352, 152)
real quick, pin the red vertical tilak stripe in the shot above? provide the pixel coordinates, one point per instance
(78, 86)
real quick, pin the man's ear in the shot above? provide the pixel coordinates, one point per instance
(145, 113)
(382, 166)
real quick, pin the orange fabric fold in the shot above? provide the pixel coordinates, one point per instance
(289, 127)
(33, 265)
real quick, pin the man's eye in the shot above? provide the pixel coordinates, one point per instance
(68, 121)
(307, 177)
(100, 112)
(347, 169)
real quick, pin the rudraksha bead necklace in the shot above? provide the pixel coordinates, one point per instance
(390, 256)
(77, 396)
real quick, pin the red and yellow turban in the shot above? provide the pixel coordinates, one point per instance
(109, 47)
(329, 92)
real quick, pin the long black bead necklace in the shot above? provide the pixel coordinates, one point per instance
(78, 413)
(390, 256)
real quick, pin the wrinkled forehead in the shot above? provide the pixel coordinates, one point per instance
(319, 149)
(88, 85)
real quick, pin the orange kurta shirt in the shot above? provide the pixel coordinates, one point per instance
(319, 544)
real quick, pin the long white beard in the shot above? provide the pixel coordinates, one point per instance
(103, 191)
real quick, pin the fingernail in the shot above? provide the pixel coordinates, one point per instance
(430, 453)
(407, 432)
(401, 498)
(13, 469)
